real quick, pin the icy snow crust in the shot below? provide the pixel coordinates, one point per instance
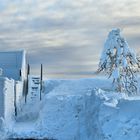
(82, 109)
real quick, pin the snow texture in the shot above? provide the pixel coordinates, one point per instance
(7, 109)
(84, 109)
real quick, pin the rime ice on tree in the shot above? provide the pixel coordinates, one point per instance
(119, 62)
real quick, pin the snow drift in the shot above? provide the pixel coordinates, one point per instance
(81, 110)
(71, 117)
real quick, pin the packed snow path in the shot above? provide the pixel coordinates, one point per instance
(80, 110)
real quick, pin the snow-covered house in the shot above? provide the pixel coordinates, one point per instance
(12, 81)
(12, 64)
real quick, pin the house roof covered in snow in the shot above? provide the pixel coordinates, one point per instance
(12, 64)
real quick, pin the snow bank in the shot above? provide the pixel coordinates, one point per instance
(69, 117)
(7, 98)
(19, 92)
(9, 108)
(79, 110)
(120, 122)
(82, 110)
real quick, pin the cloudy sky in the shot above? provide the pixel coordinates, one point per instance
(67, 36)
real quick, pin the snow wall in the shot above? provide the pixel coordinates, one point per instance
(73, 117)
(19, 92)
(78, 110)
(7, 100)
(95, 115)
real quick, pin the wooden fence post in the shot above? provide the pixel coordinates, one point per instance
(41, 78)
(15, 104)
(27, 81)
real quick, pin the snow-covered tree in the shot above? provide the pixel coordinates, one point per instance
(120, 62)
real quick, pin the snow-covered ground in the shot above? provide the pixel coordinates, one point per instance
(82, 109)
